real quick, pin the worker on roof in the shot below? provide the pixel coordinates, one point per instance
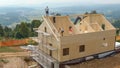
(70, 30)
(47, 11)
(61, 30)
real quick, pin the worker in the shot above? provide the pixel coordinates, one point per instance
(47, 11)
(62, 31)
(70, 30)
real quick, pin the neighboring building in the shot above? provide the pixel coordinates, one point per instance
(63, 42)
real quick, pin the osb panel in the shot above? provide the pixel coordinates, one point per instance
(92, 41)
(93, 44)
(47, 40)
(65, 23)
(100, 19)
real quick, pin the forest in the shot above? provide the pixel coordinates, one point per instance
(22, 30)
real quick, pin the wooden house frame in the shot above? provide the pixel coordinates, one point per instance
(62, 41)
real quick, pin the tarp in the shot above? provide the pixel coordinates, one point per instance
(117, 44)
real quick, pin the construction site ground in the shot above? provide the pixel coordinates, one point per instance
(109, 62)
(13, 57)
(17, 60)
(13, 62)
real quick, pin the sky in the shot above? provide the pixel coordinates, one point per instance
(55, 2)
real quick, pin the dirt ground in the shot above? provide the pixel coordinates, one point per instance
(109, 62)
(17, 62)
(13, 62)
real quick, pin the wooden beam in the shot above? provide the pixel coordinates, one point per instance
(51, 29)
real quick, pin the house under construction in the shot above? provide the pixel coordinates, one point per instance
(63, 42)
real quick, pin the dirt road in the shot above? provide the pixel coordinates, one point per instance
(109, 62)
(15, 54)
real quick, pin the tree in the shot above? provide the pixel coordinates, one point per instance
(58, 14)
(117, 32)
(94, 12)
(21, 31)
(17, 28)
(116, 23)
(1, 31)
(18, 35)
(24, 30)
(7, 32)
(36, 23)
(86, 13)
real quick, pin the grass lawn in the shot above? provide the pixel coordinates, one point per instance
(8, 49)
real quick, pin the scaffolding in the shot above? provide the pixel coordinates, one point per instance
(40, 56)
